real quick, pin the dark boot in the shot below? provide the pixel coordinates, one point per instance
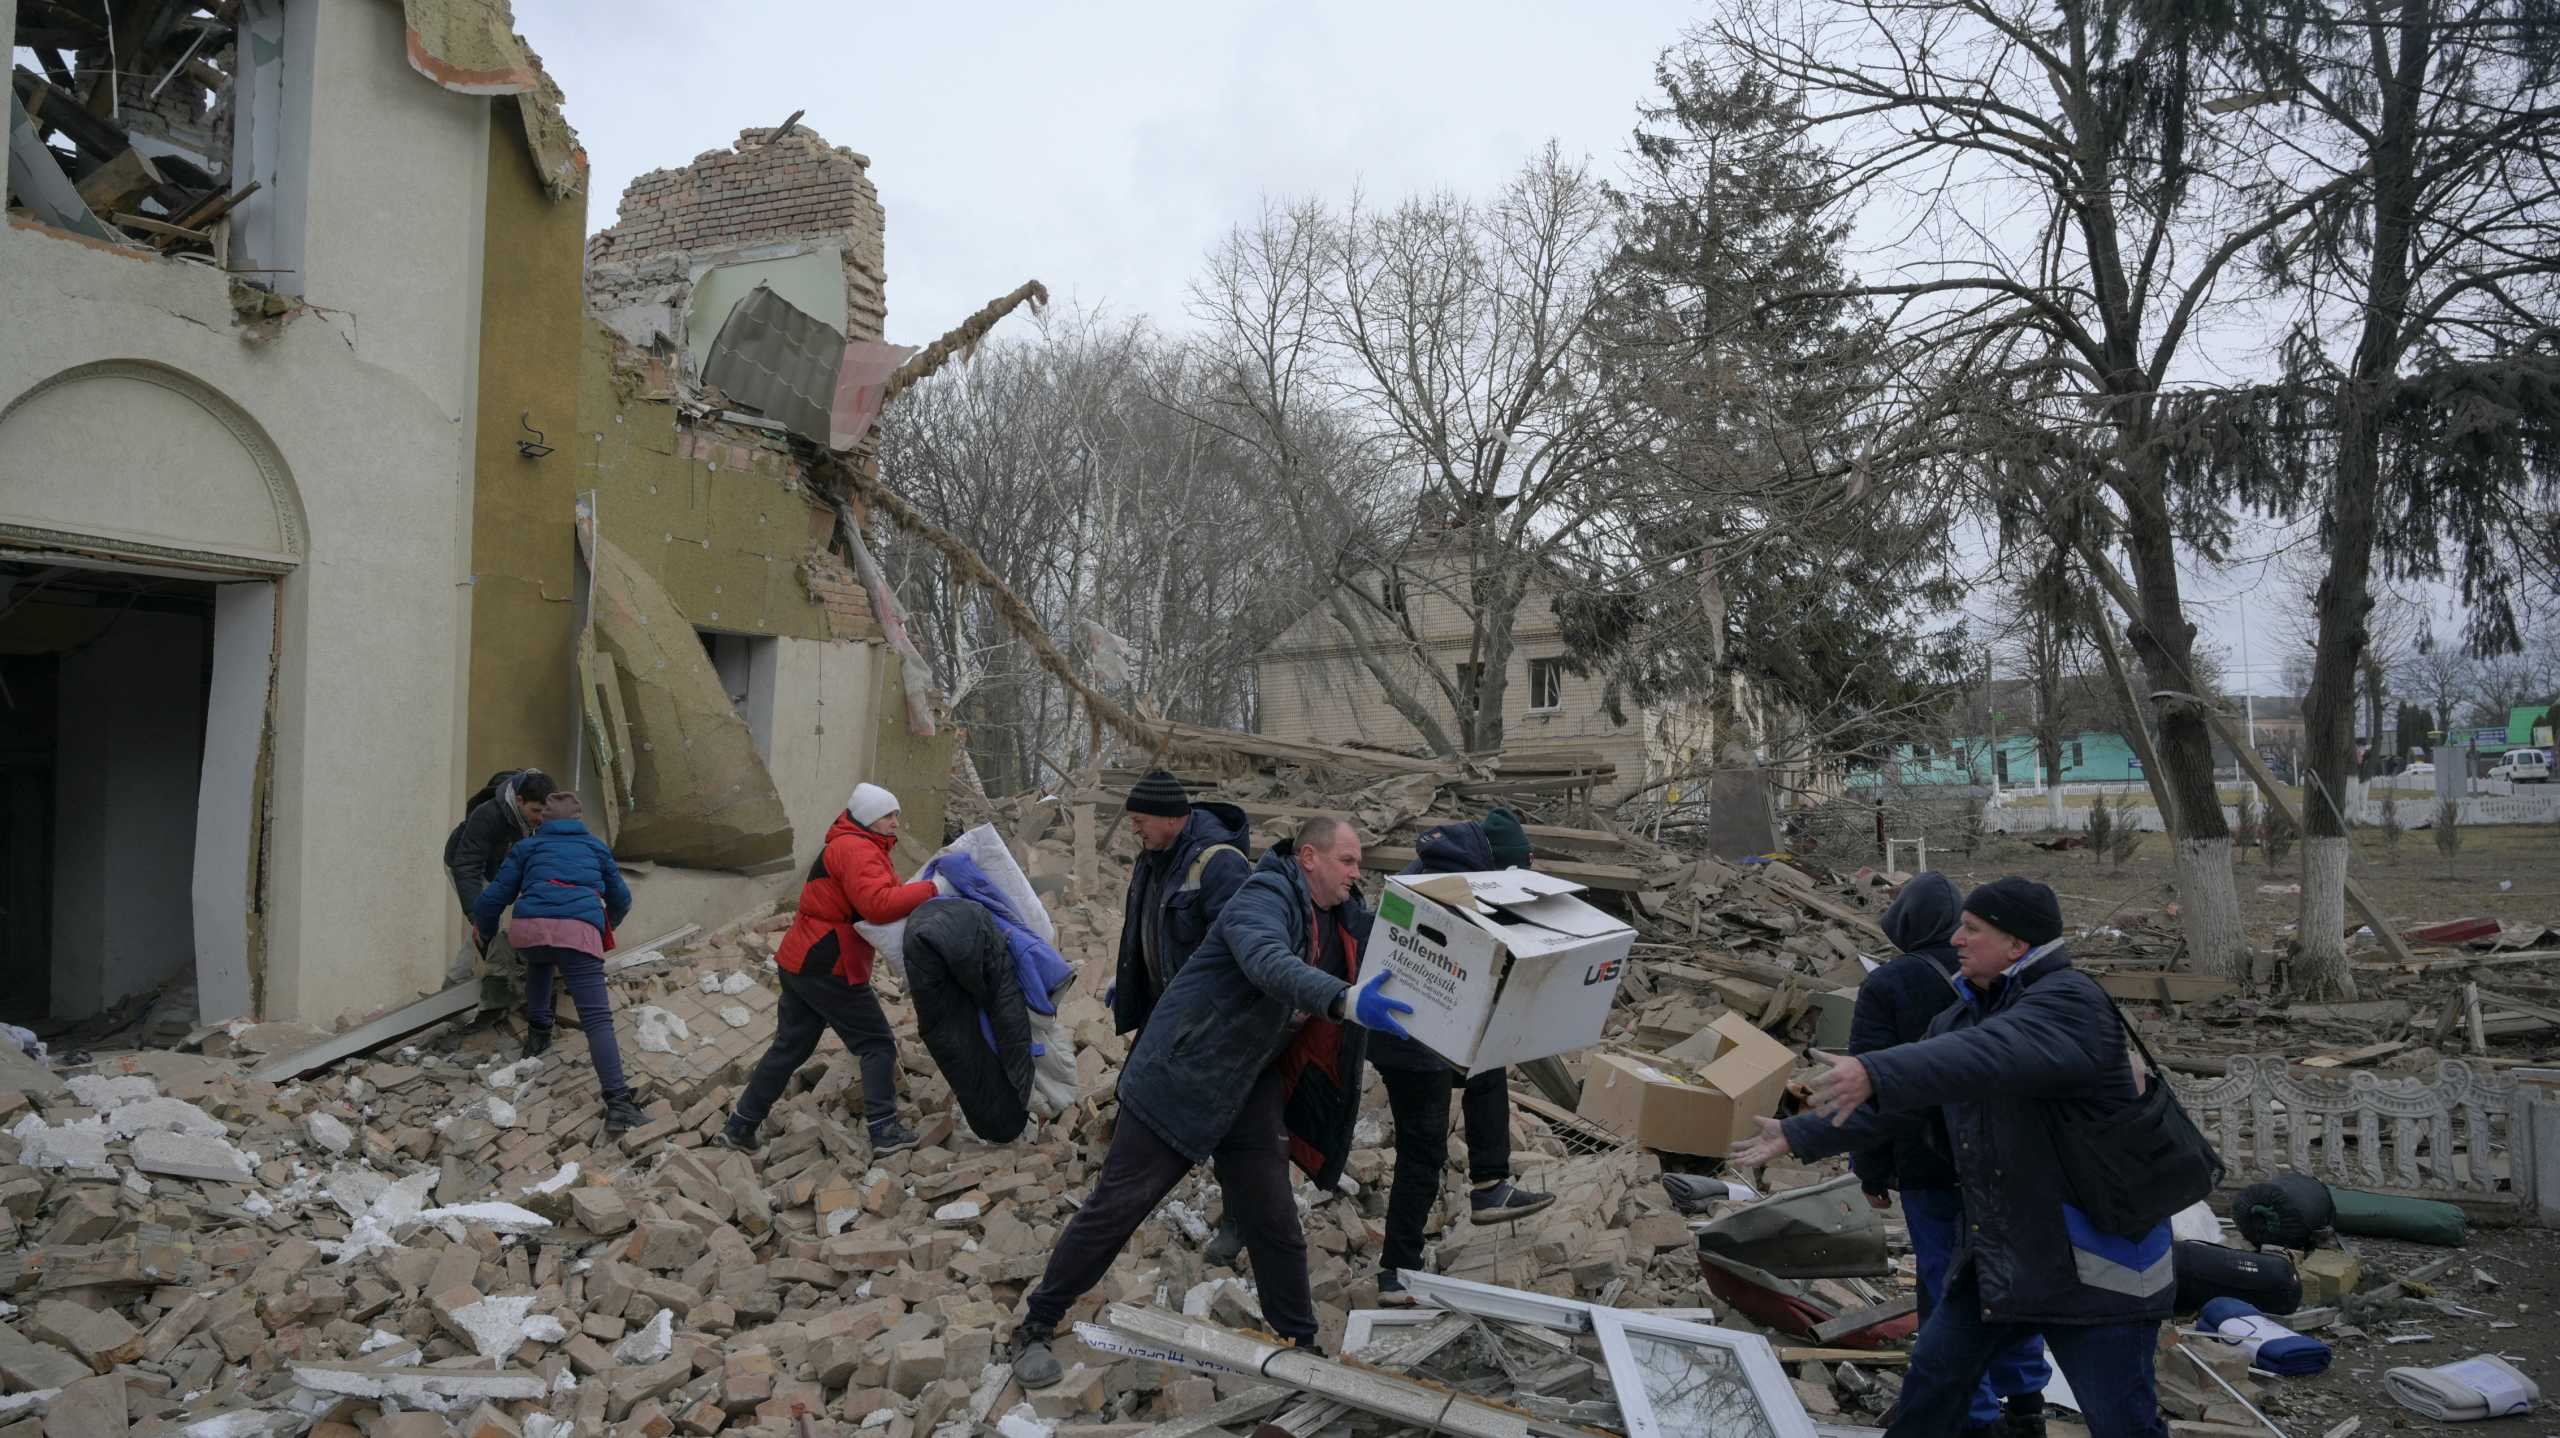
(537, 1040)
(892, 1137)
(621, 1114)
(2021, 1417)
(1391, 1291)
(1034, 1366)
(739, 1136)
(1225, 1245)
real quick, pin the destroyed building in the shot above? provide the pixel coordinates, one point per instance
(301, 409)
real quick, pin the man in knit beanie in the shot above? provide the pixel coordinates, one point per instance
(1191, 859)
(2030, 1042)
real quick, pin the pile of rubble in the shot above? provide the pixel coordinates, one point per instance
(441, 1236)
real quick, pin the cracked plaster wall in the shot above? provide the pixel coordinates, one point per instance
(369, 403)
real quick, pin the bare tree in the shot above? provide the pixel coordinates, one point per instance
(2416, 216)
(1442, 341)
(2048, 317)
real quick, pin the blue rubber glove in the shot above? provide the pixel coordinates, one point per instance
(1111, 996)
(1374, 1010)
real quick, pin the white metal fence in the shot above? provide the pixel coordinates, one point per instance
(2416, 811)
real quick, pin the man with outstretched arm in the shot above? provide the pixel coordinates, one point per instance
(1255, 1049)
(2029, 1042)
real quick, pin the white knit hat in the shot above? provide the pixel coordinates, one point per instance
(870, 804)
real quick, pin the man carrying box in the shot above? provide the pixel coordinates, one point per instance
(1252, 1058)
(1418, 1083)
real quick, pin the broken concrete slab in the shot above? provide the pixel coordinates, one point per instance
(399, 1023)
(187, 1155)
(700, 792)
(367, 1380)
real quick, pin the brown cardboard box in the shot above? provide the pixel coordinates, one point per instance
(1701, 1097)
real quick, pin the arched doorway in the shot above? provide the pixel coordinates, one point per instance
(146, 523)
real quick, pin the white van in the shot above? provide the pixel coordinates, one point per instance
(2523, 766)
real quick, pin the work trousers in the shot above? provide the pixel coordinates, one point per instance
(1252, 1164)
(1935, 1217)
(585, 976)
(2109, 1365)
(813, 1003)
(1419, 1099)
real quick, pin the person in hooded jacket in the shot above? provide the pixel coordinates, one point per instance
(568, 894)
(826, 972)
(1418, 1083)
(505, 810)
(2031, 1042)
(1250, 1061)
(1192, 858)
(1896, 1005)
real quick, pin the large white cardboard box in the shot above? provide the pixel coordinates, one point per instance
(1500, 967)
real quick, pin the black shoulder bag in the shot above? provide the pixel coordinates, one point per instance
(2133, 1166)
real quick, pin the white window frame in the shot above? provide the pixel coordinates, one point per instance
(1556, 667)
(1766, 1377)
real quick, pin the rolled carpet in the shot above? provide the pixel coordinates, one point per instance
(2481, 1386)
(2269, 1344)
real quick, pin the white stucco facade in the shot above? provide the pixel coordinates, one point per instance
(138, 421)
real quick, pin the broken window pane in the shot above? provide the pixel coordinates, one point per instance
(1694, 1388)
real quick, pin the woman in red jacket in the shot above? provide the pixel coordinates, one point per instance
(826, 972)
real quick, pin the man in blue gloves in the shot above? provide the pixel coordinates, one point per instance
(1251, 1058)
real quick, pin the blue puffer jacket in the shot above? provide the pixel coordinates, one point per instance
(1459, 848)
(1183, 911)
(560, 871)
(1999, 1066)
(1226, 1017)
(1036, 963)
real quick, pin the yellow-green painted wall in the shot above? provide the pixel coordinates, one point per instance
(523, 545)
(707, 512)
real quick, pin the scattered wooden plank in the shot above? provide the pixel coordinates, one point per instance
(2471, 1018)
(214, 206)
(398, 1024)
(1569, 1121)
(1877, 1357)
(1389, 858)
(2516, 1005)
(120, 183)
(2159, 986)
(1832, 909)
(2349, 1058)
(127, 220)
(1867, 1317)
(2379, 1013)
(632, 956)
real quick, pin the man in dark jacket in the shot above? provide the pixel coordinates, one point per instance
(1252, 1058)
(1896, 1005)
(1191, 861)
(508, 808)
(1418, 1083)
(2031, 1035)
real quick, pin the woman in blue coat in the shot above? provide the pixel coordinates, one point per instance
(568, 895)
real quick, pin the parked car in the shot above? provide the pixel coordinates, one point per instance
(2423, 769)
(2523, 766)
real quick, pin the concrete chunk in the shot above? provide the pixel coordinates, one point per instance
(98, 1337)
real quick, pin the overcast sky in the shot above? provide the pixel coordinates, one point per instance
(1102, 148)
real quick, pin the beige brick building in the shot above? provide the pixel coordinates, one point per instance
(1314, 683)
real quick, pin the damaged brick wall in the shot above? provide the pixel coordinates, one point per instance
(763, 191)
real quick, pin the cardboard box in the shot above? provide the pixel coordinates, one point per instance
(1701, 1097)
(1500, 967)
